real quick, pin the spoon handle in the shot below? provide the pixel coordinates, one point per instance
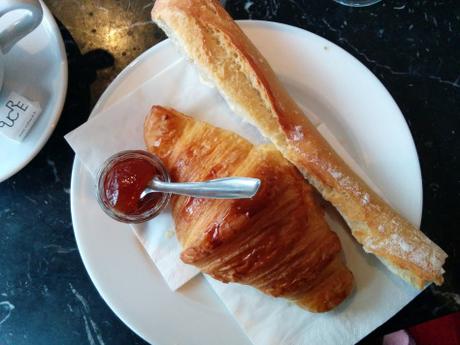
(222, 188)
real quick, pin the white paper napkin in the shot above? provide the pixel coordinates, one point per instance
(378, 294)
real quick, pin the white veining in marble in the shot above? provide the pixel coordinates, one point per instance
(80, 298)
(6, 307)
(29, 259)
(45, 290)
(93, 333)
(52, 164)
(33, 201)
(59, 249)
(88, 332)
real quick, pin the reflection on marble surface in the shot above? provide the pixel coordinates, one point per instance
(122, 28)
(46, 296)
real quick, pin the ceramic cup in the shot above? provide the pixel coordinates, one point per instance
(357, 3)
(18, 29)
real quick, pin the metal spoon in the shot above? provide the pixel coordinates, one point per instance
(221, 188)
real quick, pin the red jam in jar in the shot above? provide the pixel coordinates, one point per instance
(125, 182)
(123, 179)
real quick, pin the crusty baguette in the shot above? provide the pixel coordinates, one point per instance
(223, 53)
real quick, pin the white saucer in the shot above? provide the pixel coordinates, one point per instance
(325, 79)
(36, 68)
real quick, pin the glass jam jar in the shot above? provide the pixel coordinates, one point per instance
(121, 181)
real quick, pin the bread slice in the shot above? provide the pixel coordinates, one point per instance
(206, 33)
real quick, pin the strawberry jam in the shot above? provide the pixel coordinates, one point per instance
(125, 182)
(121, 183)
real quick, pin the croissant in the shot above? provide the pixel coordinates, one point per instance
(277, 242)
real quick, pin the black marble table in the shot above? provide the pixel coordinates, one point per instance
(413, 47)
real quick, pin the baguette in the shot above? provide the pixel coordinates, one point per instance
(206, 33)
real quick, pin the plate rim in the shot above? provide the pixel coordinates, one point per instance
(141, 58)
(53, 121)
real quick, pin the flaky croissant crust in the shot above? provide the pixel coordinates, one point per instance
(278, 241)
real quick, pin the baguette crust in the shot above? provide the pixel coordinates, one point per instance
(223, 53)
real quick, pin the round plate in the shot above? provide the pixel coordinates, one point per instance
(325, 80)
(36, 68)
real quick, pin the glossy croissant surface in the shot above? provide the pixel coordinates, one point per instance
(277, 242)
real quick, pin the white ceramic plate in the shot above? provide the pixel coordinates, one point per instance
(36, 68)
(324, 79)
